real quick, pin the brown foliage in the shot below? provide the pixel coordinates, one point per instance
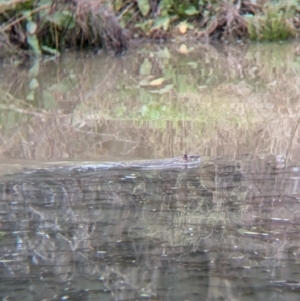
(104, 24)
(228, 24)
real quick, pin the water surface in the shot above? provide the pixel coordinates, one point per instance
(224, 230)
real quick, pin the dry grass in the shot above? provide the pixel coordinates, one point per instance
(251, 108)
(97, 20)
(228, 25)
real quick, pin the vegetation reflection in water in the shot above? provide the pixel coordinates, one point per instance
(157, 103)
(227, 229)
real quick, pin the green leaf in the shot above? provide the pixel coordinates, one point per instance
(31, 27)
(163, 53)
(164, 6)
(27, 14)
(118, 4)
(146, 67)
(43, 17)
(30, 96)
(50, 50)
(62, 18)
(144, 7)
(33, 84)
(180, 9)
(34, 44)
(191, 10)
(70, 22)
(162, 22)
(35, 68)
(58, 18)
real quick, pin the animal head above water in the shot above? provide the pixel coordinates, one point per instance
(191, 158)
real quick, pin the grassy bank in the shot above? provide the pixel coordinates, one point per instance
(35, 27)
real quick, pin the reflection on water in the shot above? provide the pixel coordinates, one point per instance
(227, 230)
(153, 103)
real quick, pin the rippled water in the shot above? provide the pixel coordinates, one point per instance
(227, 229)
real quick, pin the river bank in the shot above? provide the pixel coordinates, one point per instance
(36, 27)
